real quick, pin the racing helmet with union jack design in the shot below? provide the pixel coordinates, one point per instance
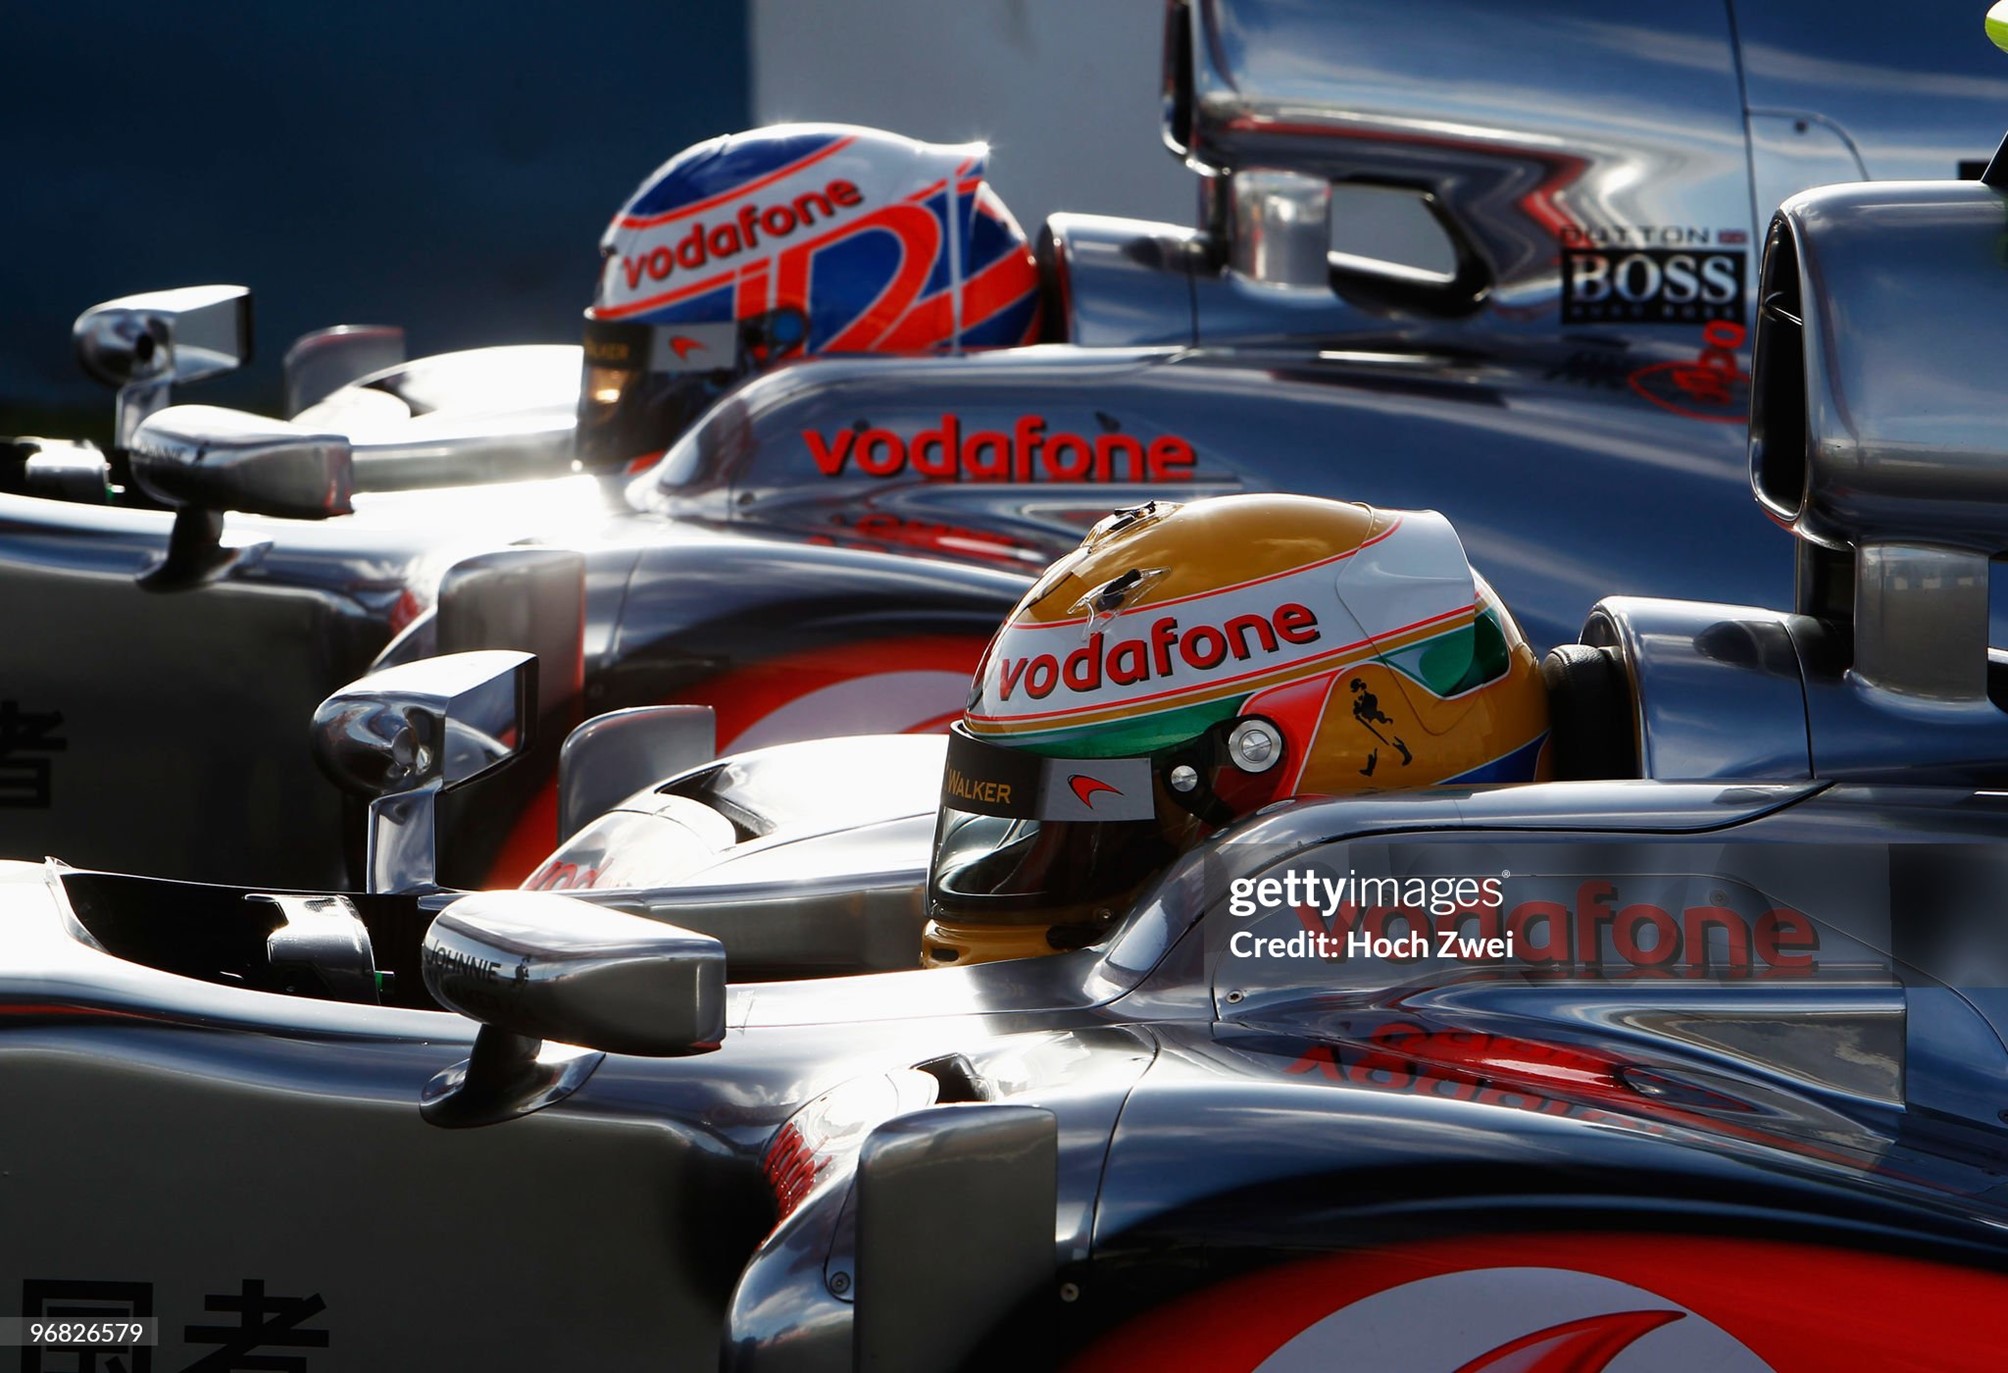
(1188, 664)
(754, 248)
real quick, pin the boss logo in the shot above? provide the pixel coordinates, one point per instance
(1651, 285)
(1652, 274)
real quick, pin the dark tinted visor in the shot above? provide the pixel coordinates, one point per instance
(1025, 839)
(644, 384)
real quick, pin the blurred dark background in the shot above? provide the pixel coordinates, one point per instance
(447, 166)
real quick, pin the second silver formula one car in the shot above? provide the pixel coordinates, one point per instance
(827, 551)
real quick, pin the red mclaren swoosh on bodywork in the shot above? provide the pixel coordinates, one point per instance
(1584, 1346)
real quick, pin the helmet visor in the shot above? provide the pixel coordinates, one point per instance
(644, 384)
(1025, 839)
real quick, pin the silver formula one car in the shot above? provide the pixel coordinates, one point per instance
(1562, 373)
(1705, 1069)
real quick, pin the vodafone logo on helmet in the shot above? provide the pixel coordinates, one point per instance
(731, 232)
(1154, 655)
(1164, 652)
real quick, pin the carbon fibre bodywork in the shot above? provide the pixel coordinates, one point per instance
(828, 550)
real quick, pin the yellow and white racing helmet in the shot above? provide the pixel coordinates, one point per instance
(1188, 664)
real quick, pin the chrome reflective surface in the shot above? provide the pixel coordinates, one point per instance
(1913, 90)
(1920, 620)
(1282, 225)
(445, 720)
(1716, 690)
(405, 735)
(1789, 153)
(1587, 127)
(453, 419)
(815, 926)
(804, 860)
(527, 598)
(325, 939)
(207, 457)
(1584, 130)
(232, 1109)
(1861, 731)
(929, 1300)
(178, 335)
(611, 756)
(320, 363)
(1869, 435)
(545, 966)
(1120, 283)
(1910, 380)
(144, 344)
(1401, 430)
(1857, 1116)
(1884, 443)
(1761, 1104)
(66, 472)
(506, 1076)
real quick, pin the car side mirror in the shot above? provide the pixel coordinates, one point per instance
(207, 457)
(537, 966)
(406, 734)
(202, 460)
(146, 343)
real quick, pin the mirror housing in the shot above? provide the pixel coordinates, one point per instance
(535, 965)
(436, 722)
(542, 965)
(209, 458)
(404, 735)
(144, 344)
